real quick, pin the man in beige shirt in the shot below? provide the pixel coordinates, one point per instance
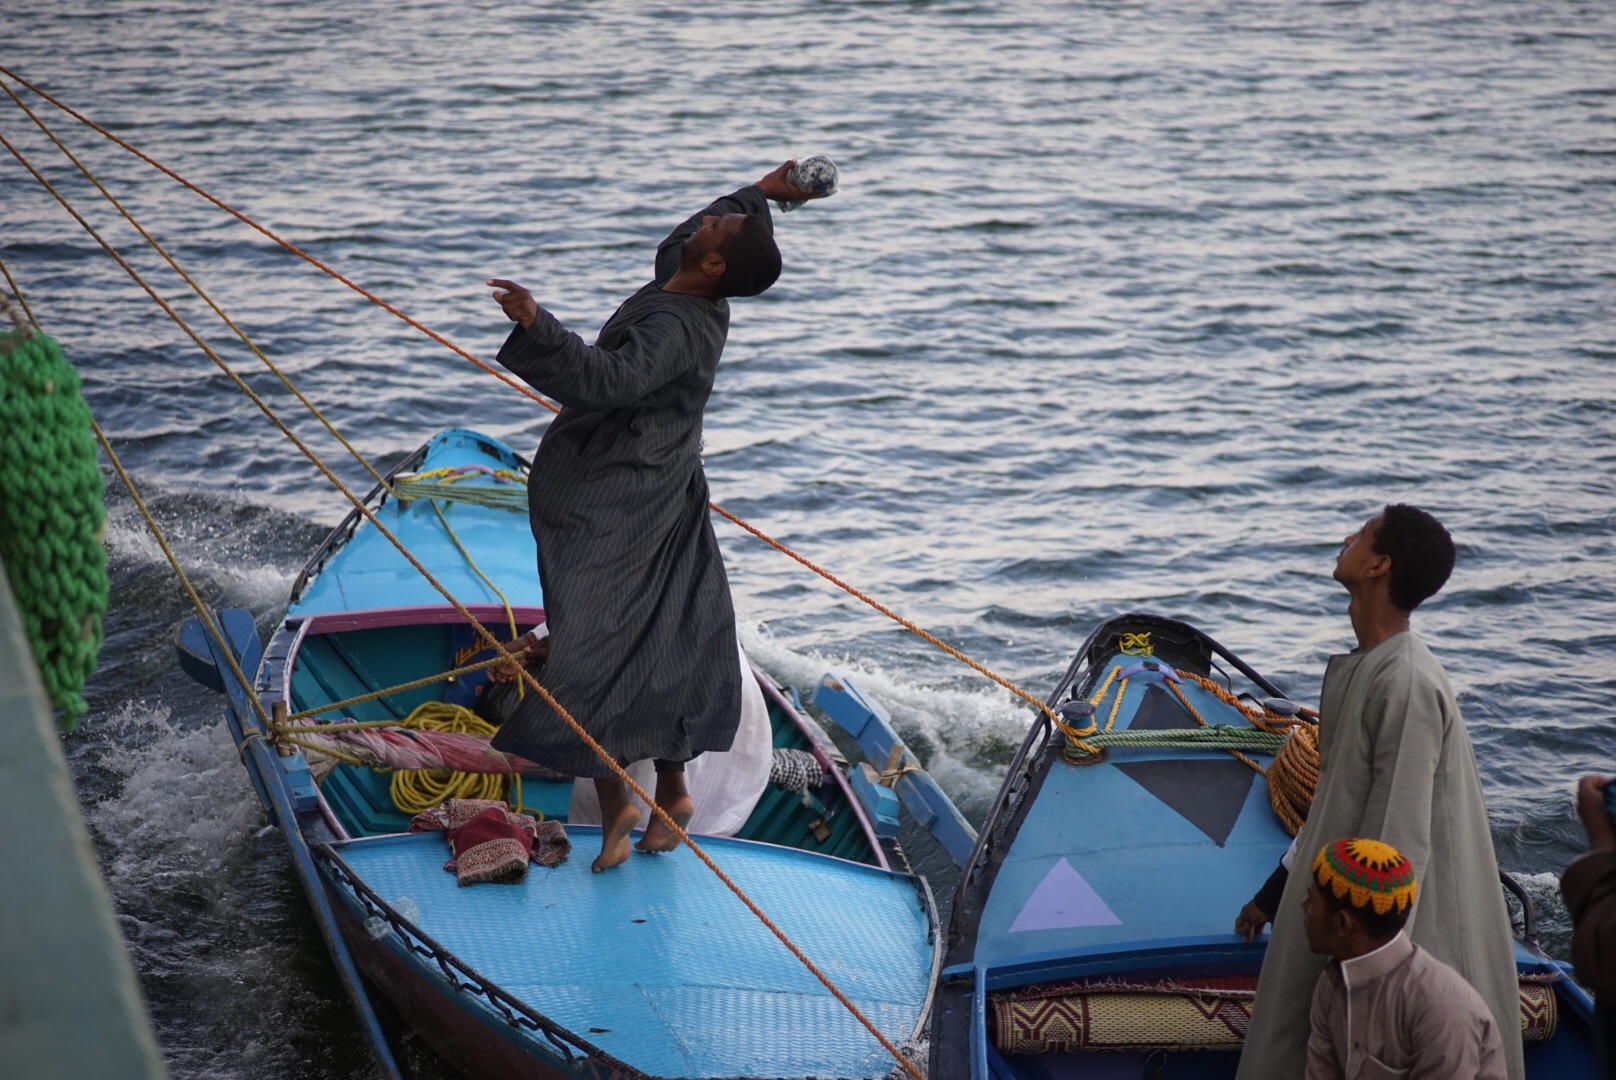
(1385, 1007)
(1396, 764)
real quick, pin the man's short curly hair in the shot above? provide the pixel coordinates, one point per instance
(751, 259)
(1421, 551)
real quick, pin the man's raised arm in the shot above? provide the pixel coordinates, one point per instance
(751, 199)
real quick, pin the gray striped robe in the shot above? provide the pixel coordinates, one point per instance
(642, 631)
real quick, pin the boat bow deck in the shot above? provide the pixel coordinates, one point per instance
(658, 964)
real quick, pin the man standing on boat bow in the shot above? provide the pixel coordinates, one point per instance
(643, 651)
(1396, 766)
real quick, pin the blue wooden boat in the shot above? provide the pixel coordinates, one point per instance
(652, 970)
(1077, 946)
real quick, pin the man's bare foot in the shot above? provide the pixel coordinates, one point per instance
(674, 798)
(614, 838)
(618, 817)
(658, 837)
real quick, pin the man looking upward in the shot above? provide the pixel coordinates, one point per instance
(642, 631)
(1395, 763)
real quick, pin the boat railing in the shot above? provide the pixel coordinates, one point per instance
(462, 978)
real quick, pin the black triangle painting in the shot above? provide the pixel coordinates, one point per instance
(1207, 793)
(1160, 710)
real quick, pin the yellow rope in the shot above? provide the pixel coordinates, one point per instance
(239, 332)
(313, 409)
(415, 790)
(1136, 644)
(1293, 774)
(11, 281)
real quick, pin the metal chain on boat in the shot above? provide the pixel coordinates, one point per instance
(482, 631)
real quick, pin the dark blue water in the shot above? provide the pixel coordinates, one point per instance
(1122, 306)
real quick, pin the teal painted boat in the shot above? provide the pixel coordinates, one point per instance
(654, 969)
(1091, 930)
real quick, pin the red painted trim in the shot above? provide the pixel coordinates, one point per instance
(337, 621)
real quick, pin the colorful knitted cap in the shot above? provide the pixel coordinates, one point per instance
(1366, 874)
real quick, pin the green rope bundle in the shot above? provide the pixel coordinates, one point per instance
(1212, 737)
(496, 496)
(52, 520)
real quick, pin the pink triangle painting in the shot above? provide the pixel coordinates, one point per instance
(1062, 901)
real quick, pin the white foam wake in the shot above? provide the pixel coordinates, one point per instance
(964, 738)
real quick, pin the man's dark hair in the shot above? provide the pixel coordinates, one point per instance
(1421, 552)
(1380, 927)
(751, 259)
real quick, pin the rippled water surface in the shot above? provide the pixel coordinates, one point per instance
(1122, 306)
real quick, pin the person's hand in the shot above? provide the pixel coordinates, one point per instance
(1595, 813)
(523, 650)
(519, 305)
(776, 186)
(1251, 920)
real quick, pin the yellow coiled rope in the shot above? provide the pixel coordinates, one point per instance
(415, 790)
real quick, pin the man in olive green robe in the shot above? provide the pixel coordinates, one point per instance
(1396, 765)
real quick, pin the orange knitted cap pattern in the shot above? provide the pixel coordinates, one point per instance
(1367, 874)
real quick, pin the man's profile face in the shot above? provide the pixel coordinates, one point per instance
(1357, 552)
(709, 237)
(1322, 934)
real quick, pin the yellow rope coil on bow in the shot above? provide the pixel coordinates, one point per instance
(1136, 644)
(415, 790)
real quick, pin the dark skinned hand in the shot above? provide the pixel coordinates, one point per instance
(522, 652)
(1251, 920)
(518, 303)
(776, 186)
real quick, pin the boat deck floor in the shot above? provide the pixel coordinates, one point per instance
(657, 963)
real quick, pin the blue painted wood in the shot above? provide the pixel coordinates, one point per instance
(191, 644)
(368, 572)
(870, 725)
(271, 782)
(299, 784)
(881, 803)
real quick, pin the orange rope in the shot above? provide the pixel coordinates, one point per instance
(883, 609)
(287, 244)
(481, 630)
(446, 343)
